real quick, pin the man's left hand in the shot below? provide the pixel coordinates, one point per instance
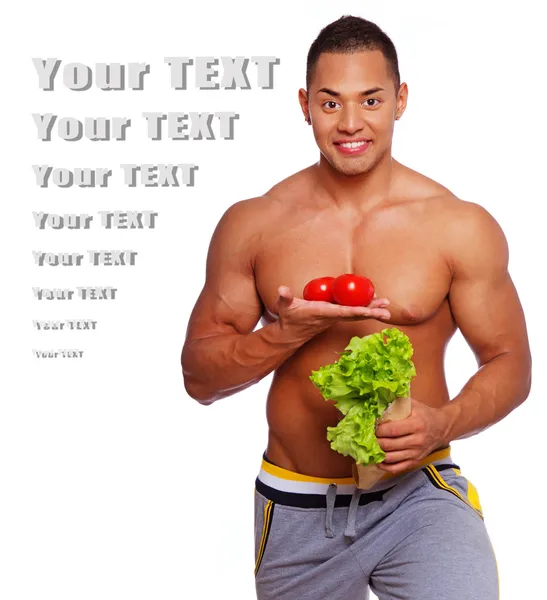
(407, 441)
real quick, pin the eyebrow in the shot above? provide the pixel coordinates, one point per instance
(336, 94)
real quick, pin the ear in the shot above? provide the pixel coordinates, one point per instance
(402, 97)
(303, 99)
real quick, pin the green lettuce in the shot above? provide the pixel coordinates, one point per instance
(364, 381)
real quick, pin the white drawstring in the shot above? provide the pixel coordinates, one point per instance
(331, 498)
(352, 512)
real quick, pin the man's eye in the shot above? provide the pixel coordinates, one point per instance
(370, 100)
(330, 104)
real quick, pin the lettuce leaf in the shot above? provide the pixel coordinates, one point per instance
(368, 376)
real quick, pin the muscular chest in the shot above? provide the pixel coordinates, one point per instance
(400, 253)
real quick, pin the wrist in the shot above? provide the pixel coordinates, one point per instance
(451, 415)
(295, 332)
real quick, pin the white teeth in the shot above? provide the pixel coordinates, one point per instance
(352, 144)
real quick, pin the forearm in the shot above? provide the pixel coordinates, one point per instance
(219, 366)
(491, 394)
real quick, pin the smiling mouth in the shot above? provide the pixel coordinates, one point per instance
(352, 144)
(350, 147)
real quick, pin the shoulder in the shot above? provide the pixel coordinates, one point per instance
(453, 215)
(470, 222)
(260, 210)
(244, 225)
(292, 190)
(242, 213)
(468, 234)
(468, 214)
(249, 215)
(473, 238)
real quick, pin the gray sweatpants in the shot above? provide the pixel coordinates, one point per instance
(417, 536)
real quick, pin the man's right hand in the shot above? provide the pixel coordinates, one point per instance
(312, 317)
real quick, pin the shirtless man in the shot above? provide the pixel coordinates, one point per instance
(438, 263)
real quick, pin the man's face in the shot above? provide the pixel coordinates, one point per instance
(352, 103)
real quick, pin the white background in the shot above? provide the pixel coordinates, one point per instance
(114, 484)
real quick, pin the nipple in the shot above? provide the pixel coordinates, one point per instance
(412, 312)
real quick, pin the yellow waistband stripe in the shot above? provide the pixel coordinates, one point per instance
(433, 457)
(293, 476)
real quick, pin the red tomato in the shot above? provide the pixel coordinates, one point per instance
(353, 290)
(319, 289)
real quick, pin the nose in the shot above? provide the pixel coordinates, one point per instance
(351, 119)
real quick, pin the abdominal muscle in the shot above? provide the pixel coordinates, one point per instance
(298, 415)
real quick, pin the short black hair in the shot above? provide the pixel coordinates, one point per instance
(352, 34)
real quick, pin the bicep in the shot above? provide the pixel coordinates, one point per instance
(229, 301)
(482, 296)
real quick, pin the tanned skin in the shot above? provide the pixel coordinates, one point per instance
(438, 263)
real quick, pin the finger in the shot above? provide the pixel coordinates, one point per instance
(406, 442)
(364, 312)
(352, 313)
(395, 429)
(399, 456)
(285, 293)
(283, 290)
(378, 303)
(396, 468)
(378, 313)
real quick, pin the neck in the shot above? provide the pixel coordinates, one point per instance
(364, 191)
